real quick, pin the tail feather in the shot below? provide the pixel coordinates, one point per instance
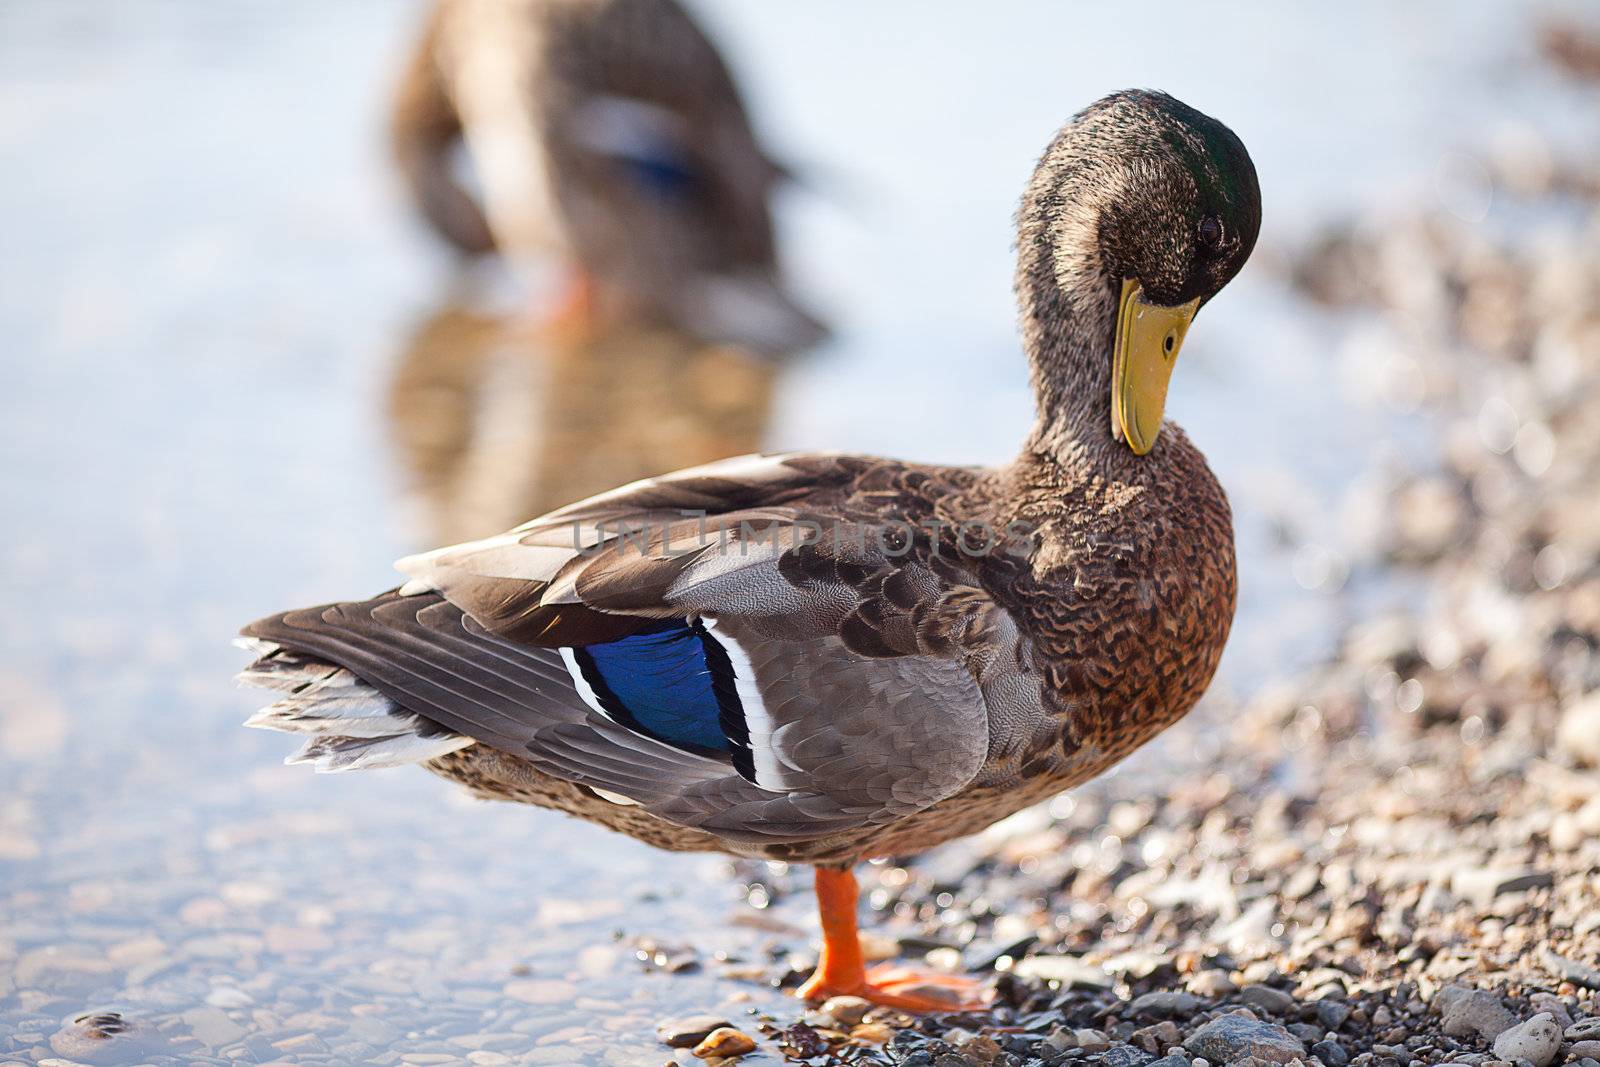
(351, 725)
(330, 754)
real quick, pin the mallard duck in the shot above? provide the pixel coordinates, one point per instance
(820, 657)
(607, 136)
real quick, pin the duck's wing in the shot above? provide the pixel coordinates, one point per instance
(761, 685)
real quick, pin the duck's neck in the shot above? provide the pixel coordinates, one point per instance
(1068, 306)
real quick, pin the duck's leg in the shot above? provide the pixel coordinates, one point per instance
(573, 311)
(841, 970)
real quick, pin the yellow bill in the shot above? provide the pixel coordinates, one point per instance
(1146, 350)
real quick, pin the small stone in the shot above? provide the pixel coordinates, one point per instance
(1212, 983)
(1584, 1030)
(724, 1042)
(1060, 1040)
(1331, 1053)
(1332, 1013)
(1566, 835)
(1551, 1003)
(1270, 1000)
(1125, 1056)
(1091, 1040)
(1157, 1038)
(1481, 885)
(1173, 1060)
(1230, 1037)
(103, 1037)
(1579, 732)
(687, 1031)
(1584, 1048)
(982, 1051)
(1165, 1005)
(846, 1011)
(1476, 1013)
(1307, 1032)
(1571, 970)
(1537, 1041)
(488, 1058)
(872, 1033)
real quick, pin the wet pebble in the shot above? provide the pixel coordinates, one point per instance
(846, 1011)
(725, 1042)
(687, 1031)
(107, 1037)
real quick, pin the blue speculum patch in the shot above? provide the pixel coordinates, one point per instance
(662, 683)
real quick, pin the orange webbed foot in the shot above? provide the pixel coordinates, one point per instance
(905, 989)
(841, 971)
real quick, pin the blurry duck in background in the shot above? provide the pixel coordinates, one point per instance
(599, 150)
(822, 658)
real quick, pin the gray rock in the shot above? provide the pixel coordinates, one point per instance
(1165, 1005)
(1553, 1004)
(1331, 1013)
(1584, 1030)
(1307, 1032)
(1537, 1041)
(1476, 1013)
(1270, 1000)
(1231, 1037)
(1169, 1061)
(687, 1031)
(1584, 1048)
(1158, 1037)
(1573, 971)
(1126, 1056)
(1331, 1053)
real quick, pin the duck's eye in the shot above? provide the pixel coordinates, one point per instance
(1210, 231)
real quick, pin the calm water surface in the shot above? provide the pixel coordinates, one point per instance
(205, 276)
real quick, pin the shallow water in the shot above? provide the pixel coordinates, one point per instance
(205, 280)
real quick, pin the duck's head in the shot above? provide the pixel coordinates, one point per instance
(1140, 211)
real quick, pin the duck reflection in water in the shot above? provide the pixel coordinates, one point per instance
(594, 158)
